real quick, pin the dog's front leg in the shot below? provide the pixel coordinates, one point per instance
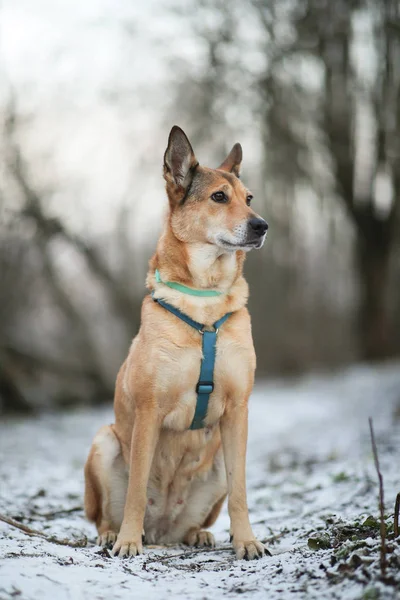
(234, 440)
(144, 440)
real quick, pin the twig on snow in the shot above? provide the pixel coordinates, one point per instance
(205, 550)
(49, 538)
(21, 526)
(57, 513)
(383, 561)
(396, 516)
(187, 554)
(34, 515)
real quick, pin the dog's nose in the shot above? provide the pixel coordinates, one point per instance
(259, 226)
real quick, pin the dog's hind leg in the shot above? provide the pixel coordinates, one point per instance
(199, 536)
(216, 509)
(106, 481)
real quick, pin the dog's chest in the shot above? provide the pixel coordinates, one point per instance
(234, 367)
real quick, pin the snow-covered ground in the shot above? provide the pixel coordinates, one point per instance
(310, 477)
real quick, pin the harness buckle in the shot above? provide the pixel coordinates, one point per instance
(205, 387)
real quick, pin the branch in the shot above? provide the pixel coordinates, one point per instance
(82, 543)
(194, 552)
(56, 513)
(396, 516)
(52, 227)
(383, 560)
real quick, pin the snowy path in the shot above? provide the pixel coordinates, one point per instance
(310, 475)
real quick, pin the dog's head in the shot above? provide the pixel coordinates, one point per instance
(210, 205)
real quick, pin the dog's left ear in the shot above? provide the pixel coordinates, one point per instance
(179, 159)
(233, 160)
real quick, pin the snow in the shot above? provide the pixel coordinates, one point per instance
(310, 475)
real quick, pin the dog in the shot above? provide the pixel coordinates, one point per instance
(161, 472)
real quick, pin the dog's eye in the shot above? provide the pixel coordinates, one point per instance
(249, 198)
(219, 197)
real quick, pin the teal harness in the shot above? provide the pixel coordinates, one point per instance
(205, 385)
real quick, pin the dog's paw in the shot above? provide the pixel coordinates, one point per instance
(123, 548)
(200, 538)
(250, 550)
(107, 539)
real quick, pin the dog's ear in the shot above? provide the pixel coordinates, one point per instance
(179, 159)
(233, 160)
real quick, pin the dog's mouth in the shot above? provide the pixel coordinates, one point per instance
(253, 244)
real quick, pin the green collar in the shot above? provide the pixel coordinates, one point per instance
(187, 290)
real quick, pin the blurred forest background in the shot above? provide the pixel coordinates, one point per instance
(89, 92)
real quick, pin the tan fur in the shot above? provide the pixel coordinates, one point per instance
(148, 470)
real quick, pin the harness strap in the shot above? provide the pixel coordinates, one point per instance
(205, 385)
(179, 314)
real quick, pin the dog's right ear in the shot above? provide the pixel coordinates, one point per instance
(179, 159)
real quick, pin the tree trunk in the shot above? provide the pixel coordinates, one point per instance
(375, 335)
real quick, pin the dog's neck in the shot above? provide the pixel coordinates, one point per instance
(201, 267)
